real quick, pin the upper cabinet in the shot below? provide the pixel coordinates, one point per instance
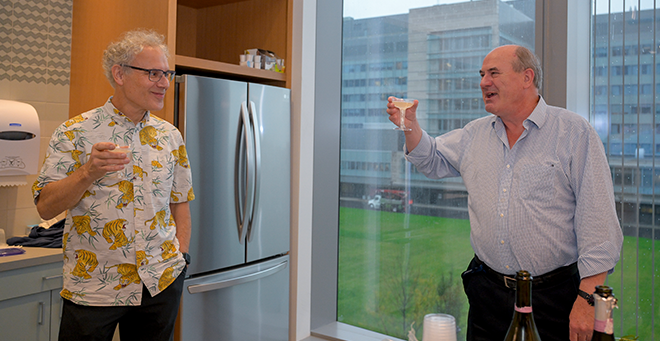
(204, 36)
(213, 34)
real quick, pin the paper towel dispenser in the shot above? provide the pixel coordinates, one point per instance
(19, 139)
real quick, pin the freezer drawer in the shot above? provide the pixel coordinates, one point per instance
(248, 303)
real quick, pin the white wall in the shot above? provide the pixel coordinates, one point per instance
(35, 49)
(302, 148)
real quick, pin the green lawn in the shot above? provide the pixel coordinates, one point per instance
(395, 268)
(638, 267)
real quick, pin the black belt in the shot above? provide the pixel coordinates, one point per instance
(546, 279)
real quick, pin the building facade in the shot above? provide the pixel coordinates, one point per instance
(432, 54)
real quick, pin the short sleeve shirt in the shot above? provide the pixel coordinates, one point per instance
(121, 234)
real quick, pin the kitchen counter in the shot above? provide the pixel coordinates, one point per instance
(30, 302)
(32, 257)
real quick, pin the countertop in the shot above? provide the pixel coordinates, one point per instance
(32, 257)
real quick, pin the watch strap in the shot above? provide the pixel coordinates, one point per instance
(589, 298)
(186, 257)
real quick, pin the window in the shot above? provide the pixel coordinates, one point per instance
(646, 69)
(647, 89)
(631, 89)
(391, 271)
(637, 299)
(627, 29)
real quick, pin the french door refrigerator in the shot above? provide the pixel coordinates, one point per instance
(237, 137)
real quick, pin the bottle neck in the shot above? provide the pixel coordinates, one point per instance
(603, 307)
(523, 296)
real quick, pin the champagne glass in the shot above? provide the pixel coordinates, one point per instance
(118, 175)
(403, 104)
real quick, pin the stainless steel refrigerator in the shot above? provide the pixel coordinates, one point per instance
(237, 136)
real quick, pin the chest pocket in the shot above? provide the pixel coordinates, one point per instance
(537, 182)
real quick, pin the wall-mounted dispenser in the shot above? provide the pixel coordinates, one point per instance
(19, 142)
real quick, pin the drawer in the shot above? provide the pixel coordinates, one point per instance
(30, 280)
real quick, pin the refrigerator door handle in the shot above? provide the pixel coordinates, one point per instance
(256, 133)
(179, 120)
(201, 288)
(243, 182)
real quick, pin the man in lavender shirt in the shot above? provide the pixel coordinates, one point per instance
(540, 199)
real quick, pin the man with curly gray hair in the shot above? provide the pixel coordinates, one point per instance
(122, 175)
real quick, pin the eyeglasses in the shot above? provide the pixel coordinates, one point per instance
(154, 74)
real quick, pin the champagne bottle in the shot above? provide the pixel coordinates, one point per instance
(522, 326)
(604, 303)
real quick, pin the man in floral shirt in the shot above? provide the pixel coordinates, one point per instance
(123, 175)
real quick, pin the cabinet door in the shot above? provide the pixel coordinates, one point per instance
(55, 313)
(26, 317)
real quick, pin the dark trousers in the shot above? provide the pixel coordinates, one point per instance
(153, 319)
(491, 306)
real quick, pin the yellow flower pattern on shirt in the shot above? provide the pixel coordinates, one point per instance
(121, 234)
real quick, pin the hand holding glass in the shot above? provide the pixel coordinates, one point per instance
(403, 104)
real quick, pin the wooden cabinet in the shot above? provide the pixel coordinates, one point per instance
(204, 36)
(30, 303)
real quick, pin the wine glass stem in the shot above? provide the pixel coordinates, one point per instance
(403, 118)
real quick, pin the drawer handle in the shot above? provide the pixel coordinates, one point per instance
(40, 316)
(201, 288)
(52, 277)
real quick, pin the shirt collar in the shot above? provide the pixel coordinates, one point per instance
(538, 116)
(116, 114)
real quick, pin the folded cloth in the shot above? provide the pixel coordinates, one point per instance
(41, 237)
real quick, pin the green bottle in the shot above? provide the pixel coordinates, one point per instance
(522, 326)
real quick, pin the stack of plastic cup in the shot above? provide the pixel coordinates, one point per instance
(439, 327)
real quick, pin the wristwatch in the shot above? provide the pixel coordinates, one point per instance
(589, 298)
(186, 257)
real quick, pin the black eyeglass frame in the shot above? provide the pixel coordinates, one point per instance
(154, 72)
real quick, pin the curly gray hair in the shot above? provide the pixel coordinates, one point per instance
(129, 46)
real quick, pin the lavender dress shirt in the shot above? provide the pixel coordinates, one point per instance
(545, 203)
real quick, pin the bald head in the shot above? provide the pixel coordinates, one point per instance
(522, 59)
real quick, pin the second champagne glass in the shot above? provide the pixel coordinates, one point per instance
(119, 175)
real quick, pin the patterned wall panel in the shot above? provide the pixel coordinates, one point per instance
(35, 41)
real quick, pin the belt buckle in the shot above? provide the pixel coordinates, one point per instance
(510, 282)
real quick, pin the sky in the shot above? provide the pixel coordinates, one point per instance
(360, 9)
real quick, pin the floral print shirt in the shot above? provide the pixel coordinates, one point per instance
(121, 234)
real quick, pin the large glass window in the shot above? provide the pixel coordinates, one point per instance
(624, 34)
(404, 239)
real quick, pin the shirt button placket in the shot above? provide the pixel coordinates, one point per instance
(503, 204)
